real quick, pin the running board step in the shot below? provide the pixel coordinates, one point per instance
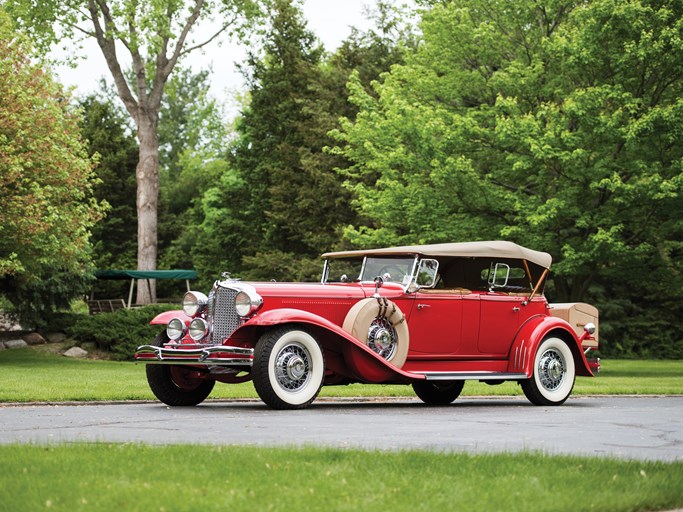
(472, 376)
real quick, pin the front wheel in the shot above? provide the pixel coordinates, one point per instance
(554, 374)
(438, 393)
(176, 385)
(289, 367)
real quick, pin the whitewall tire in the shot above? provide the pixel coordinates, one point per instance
(289, 368)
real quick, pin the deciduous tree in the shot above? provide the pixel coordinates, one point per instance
(155, 36)
(549, 123)
(46, 186)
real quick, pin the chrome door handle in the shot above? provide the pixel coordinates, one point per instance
(422, 306)
(515, 309)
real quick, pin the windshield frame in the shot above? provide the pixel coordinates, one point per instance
(412, 272)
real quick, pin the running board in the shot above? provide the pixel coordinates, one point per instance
(472, 376)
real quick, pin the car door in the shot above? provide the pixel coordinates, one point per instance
(435, 323)
(499, 322)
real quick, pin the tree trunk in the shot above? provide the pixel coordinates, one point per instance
(147, 175)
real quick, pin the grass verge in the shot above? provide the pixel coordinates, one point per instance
(29, 375)
(152, 478)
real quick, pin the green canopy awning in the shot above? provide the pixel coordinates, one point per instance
(146, 274)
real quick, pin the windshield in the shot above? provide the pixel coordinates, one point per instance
(347, 270)
(393, 270)
(343, 270)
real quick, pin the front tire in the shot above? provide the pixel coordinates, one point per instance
(175, 385)
(438, 393)
(553, 374)
(289, 368)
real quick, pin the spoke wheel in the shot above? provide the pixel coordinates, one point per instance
(176, 385)
(554, 374)
(288, 368)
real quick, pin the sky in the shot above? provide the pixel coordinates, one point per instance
(330, 20)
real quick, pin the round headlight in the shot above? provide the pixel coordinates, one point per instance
(199, 329)
(175, 329)
(194, 303)
(247, 303)
(243, 304)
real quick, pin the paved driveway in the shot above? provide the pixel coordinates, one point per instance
(626, 427)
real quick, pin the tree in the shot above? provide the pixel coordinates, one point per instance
(284, 204)
(156, 36)
(106, 128)
(46, 182)
(551, 124)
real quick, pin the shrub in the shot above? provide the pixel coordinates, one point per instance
(120, 332)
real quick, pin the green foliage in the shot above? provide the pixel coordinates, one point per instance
(107, 130)
(121, 331)
(552, 125)
(193, 140)
(46, 182)
(281, 204)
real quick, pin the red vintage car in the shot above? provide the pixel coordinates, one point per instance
(432, 316)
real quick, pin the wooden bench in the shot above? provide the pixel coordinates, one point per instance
(96, 306)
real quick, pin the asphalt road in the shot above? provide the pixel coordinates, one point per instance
(644, 428)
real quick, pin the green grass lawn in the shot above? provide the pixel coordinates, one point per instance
(125, 477)
(29, 375)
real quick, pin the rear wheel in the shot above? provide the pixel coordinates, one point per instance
(176, 385)
(554, 374)
(289, 367)
(438, 393)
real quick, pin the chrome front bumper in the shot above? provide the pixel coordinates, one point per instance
(219, 355)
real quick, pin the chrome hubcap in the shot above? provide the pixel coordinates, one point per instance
(382, 337)
(292, 367)
(551, 369)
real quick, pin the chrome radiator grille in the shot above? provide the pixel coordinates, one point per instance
(222, 314)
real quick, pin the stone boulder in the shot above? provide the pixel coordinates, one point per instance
(55, 337)
(15, 344)
(33, 338)
(76, 352)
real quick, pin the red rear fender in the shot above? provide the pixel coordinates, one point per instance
(531, 334)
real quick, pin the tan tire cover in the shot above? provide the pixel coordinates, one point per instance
(360, 316)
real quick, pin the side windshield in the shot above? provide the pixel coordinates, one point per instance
(343, 270)
(394, 270)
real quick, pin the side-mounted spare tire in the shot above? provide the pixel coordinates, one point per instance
(382, 326)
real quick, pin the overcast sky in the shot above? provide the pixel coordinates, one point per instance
(330, 20)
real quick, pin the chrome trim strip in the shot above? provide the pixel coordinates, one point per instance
(163, 355)
(472, 375)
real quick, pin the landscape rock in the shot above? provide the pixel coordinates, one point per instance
(33, 338)
(15, 344)
(2, 345)
(55, 337)
(76, 352)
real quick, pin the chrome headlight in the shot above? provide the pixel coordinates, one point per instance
(199, 329)
(247, 303)
(194, 303)
(175, 329)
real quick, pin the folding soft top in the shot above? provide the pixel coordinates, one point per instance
(490, 249)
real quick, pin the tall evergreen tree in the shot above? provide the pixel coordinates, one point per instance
(295, 207)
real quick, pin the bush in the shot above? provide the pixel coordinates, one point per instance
(120, 332)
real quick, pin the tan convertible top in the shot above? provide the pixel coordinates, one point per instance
(493, 249)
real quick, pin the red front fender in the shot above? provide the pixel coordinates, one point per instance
(165, 317)
(531, 334)
(357, 359)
